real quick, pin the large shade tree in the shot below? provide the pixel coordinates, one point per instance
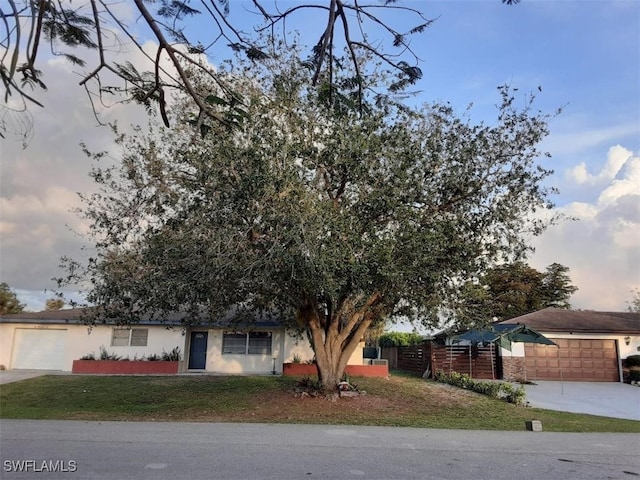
(513, 289)
(331, 217)
(95, 36)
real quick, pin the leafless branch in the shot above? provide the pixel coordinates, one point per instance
(70, 25)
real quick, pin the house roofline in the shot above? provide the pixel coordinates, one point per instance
(583, 330)
(76, 316)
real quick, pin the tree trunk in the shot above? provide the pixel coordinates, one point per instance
(334, 340)
(332, 358)
(329, 374)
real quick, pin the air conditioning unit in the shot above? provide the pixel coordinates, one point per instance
(379, 361)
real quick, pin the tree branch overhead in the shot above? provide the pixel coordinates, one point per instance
(79, 33)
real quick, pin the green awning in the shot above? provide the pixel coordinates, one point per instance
(502, 335)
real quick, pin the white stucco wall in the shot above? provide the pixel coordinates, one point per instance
(6, 341)
(356, 356)
(301, 347)
(217, 362)
(82, 340)
(517, 350)
(294, 345)
(632, 349)
(283, 348)
(159, 339)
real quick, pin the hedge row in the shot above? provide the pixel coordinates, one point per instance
(499, 390)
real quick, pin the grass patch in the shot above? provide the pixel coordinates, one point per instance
(401, 400)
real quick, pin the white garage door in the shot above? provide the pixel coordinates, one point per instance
(39, 349)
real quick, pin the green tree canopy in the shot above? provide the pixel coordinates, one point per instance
(514, 289)
(399, 339)
(556, 286)
(333, 219)
(9, 302)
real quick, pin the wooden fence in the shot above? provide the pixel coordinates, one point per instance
(415, 359)
(391, 355)
(478, 362)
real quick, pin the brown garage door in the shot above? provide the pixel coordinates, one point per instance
(573, 359)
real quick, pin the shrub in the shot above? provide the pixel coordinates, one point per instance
(511, 394)
(296, 359)
(501, 391)
(309, 386)
(491, 389)
(632, 375)
(172, 356)
(632, 361)
(104, 355)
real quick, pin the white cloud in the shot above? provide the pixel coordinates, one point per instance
(617, 157)
(602, 247)
(628, 182)
(39, 184)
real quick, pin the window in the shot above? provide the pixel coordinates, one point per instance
(123, 337)
(139, 337)
(234, 343)
(259, 343)
(252, 343)
(120, 337)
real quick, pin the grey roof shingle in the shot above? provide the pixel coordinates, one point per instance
(584, 321)
(76, 315)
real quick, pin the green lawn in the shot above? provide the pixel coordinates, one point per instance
(398, 401)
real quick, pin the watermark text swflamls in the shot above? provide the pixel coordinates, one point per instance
(38, 466)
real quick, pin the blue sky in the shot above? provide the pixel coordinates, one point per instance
(585, 55)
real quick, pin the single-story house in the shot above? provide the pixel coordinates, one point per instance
(550, 344)
(52, 340)
(590, 346)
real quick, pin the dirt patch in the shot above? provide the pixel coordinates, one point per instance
(287, 406)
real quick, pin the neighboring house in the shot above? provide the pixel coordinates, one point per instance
(52, 340)
(587, 346)
(590, 346)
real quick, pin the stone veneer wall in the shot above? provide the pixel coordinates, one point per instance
(514, 368)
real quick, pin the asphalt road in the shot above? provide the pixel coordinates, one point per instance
(158, 451)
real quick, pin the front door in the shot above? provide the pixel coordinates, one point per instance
(198, 351)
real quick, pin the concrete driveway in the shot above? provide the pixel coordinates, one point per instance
(618, 400)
